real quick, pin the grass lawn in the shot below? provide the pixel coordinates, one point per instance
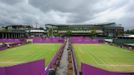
(105, 57)
(28, 53)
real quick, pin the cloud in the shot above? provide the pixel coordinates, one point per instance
(24, 13)
(117, 11)
(11, 2)
(66, 11)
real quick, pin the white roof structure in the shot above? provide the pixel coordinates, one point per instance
(131, 44)
(131, 36)
(109, 40)
(39, 31)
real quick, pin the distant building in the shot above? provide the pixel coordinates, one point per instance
(106, 29)
(20, 31)
(14, 31)
(27, 31)
(124, 40)
(37, 33)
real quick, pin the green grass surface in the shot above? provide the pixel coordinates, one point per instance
(28, 53)
(105, 57)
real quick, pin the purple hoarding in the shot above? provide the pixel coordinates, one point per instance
(32, 68)
(54, 58)
(11, 40)
(90, 70)
(86, 40)
(2, 71)
(48, 40)
(3, 48)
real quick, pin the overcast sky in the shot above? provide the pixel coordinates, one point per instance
(67, 11)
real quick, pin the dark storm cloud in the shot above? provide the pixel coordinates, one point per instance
(66, 11)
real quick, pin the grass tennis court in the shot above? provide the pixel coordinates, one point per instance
(105, 56)
(28, 53)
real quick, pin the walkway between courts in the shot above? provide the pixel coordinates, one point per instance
(63, 67)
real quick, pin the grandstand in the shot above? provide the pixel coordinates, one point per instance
(105, 29)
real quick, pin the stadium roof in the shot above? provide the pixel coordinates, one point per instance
(129, 35)
(102, 24)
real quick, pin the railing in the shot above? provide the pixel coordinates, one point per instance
(50, 65)
(74, 61)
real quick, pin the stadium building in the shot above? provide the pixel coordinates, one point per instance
(27, 31)
(105, 29)
(21, 31)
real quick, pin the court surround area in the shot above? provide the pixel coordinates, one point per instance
(28, 53)
(105, 57)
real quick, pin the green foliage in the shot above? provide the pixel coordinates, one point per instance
(130, 31)
(50, 32)
(68, 33)
(56, 34)
(120, 34)
(41, 28)
(93, 32)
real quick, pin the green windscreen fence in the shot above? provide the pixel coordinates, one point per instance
(123, 41)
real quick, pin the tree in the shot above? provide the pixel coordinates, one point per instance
(121, 33)
(57, 34)
(130, 31)
(41, 28)
(68, 33)
(50, 32)
(93, 32)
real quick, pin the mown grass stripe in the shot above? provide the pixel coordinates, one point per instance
(105, 56)
(28, 53)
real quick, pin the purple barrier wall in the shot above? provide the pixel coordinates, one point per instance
(54, 59)
(90, 70)
(2, 71)
(6, 46)
(48, 40)
(32, 68)
(3, 48)
(86, 40)
(11, 40)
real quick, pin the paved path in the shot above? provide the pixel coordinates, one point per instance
(62, 69)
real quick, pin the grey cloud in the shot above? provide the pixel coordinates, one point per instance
(11, 2)
(66, 11)
(80, 8)
(24, 13)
